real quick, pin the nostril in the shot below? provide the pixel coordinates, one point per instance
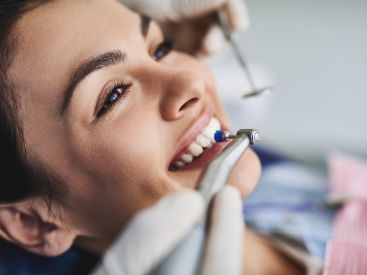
(188, 103)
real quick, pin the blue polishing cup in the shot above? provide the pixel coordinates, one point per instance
(218, 136)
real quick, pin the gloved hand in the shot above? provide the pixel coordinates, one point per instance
(154, 232)
(192, 22)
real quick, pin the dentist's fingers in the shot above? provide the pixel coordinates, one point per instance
(214, 41)
(237, 14)
(153, 233)
(224, 252)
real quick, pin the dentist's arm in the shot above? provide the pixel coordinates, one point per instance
(193, 22)
(154, 232)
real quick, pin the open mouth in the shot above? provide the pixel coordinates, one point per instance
(201, 149)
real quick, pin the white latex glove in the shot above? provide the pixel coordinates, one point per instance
(195, 18)
(154, 232)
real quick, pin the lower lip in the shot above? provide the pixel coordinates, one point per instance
(205, 158)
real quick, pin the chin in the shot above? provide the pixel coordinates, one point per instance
(246, 173)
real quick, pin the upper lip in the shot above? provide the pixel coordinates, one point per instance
(193, 131)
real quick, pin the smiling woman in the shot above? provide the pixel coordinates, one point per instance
(101, 117)
(79, 95)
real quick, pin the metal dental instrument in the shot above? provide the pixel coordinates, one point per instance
(218, 171)
(224, 24)
(186, 257)
(221, 136)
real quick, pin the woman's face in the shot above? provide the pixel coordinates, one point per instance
(107, 107)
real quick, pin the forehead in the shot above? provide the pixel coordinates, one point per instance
(55, 37)
(52, 26)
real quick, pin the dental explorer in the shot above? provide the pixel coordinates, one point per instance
(224, 25)
(185, 258)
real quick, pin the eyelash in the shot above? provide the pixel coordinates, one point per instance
(120, 89)
(163, 49)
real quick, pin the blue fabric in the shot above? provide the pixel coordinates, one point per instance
(289, 200)
(16, 261)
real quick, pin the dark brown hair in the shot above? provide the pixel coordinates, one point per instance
(20, 179)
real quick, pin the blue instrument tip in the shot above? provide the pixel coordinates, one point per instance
(219, 136)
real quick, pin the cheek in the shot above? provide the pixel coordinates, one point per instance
(126, 175)
(246, 173)
(134, 165)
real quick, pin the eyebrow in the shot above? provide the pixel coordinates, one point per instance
(97, 63)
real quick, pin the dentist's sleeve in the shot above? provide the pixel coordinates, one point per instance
(154, 232)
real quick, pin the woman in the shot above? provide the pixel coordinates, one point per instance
(100, 118)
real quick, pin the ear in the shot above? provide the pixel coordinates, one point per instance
(27, 230)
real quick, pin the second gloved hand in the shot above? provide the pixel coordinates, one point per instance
(192, 23)
(154, 232)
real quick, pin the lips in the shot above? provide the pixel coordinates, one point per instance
(198, 145)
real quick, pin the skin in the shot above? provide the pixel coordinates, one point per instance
(111, 167)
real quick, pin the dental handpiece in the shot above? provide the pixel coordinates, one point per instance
(216, 174)
(185, 259)
(253, 135)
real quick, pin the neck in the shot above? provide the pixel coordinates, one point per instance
(263, 259)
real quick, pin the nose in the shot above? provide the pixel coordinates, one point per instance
(182, 92)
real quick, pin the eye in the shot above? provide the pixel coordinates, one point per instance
(113, 96)
(163, 49)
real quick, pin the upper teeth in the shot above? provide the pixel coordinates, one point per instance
(205, 139)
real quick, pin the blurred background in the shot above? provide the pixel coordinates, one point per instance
(315, 54)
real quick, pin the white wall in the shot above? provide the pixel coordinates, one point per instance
(316, 54)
